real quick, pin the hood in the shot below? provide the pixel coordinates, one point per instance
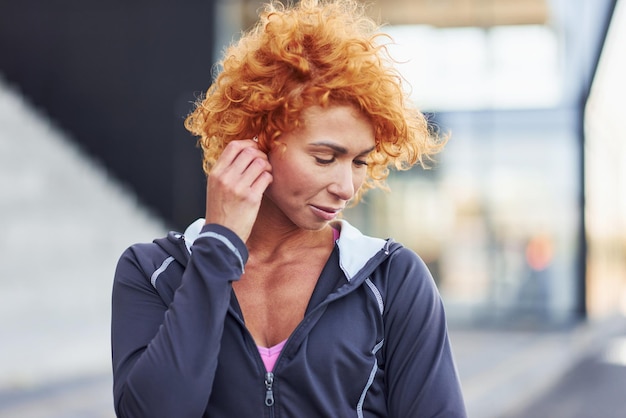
(356, 249)
(179, 245)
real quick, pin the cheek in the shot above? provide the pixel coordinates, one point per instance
(297, 177)
(300, 184)
(359, 178)
(290, 180)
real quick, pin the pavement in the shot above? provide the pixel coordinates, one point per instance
(65, 222)
(518, 374)
(593, 387)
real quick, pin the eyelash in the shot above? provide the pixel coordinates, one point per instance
(322, 161)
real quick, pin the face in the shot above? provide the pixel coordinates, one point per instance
(318, 168)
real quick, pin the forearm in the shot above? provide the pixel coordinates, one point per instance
(172, 373)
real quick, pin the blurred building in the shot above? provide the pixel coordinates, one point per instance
(522, 220)
(605, 175)
(119, 78)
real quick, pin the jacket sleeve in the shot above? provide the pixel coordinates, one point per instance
(165, 357)
(421, 376)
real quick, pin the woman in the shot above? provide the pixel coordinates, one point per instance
(271, 306)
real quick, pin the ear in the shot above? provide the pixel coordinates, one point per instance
(279, 146)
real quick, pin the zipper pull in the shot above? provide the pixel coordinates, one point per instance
(269, 394)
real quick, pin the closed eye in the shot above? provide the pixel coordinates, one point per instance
(360, 163)
(324, 161)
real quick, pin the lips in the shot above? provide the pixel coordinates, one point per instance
(326, 213)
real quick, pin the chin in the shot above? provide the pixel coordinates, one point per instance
(312, 225)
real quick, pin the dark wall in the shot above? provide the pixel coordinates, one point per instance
(120, 76)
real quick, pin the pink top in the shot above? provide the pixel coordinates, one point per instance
(270, 355)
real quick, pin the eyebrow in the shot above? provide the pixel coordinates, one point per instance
(339, 149)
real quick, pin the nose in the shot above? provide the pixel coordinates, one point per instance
(342, 182)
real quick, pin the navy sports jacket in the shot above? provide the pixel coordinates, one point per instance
(373, 342)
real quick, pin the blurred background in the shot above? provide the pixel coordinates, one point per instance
(522, 220)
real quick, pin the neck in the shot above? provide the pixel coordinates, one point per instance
(273, 233)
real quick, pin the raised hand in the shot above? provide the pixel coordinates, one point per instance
(235, 187)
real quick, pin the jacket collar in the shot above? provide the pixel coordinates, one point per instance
(192, 232)
(355, 249)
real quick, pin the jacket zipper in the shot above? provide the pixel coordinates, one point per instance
(268, 377)
(269, 393)
(268, 380)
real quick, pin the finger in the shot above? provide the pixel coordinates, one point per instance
(232, 150)
(240, 176)
(256, 169)
(261, 183)
(240, 156)
(244, 170)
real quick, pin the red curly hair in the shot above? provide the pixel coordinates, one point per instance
(316, 53)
